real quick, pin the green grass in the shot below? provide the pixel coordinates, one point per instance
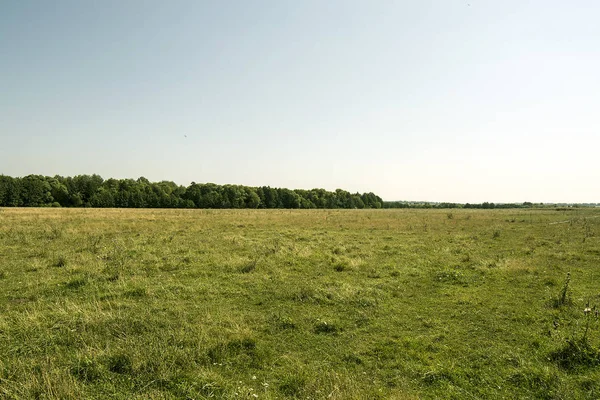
(339, 304)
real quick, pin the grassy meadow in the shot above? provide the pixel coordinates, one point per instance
(307, 304)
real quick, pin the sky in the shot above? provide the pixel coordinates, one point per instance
(458, 101)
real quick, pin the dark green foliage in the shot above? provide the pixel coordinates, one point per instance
(326, 328)
(76, 283)
(93, 191)
(352, 359)
(339, 267)
(136, 293)
(120, 364)
(292, 386)
(10, 191)
(241, 352)
(576, 352)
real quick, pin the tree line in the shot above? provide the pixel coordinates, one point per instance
(94, 191)
(485, 205)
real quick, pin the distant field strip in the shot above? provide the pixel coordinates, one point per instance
(570, 220)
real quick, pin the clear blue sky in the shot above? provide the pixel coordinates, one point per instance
(464, 101)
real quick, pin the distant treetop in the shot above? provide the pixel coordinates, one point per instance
(94, 191)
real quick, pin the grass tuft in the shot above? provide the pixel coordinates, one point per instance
(86, 370)
(138, 292)
(576, 353)
(120, 363)
(249, 267)
(76, 283)
(326, 328)
(564, 296)
(61, 261)
(292, 386)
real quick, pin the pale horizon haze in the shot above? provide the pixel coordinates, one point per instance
(455, 101)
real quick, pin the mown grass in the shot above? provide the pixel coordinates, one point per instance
(340, 304)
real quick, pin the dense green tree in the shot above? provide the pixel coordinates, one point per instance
(93, 191)
(271, 197)
(252, 198)
(59, 191)
(289, 198)
(103, 198)
(35, 191)
(10, 191)
(357, 202)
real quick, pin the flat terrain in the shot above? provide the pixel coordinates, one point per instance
(338, 304)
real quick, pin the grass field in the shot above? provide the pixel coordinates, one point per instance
(338, 304)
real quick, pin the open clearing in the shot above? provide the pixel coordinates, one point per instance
(340, 304)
